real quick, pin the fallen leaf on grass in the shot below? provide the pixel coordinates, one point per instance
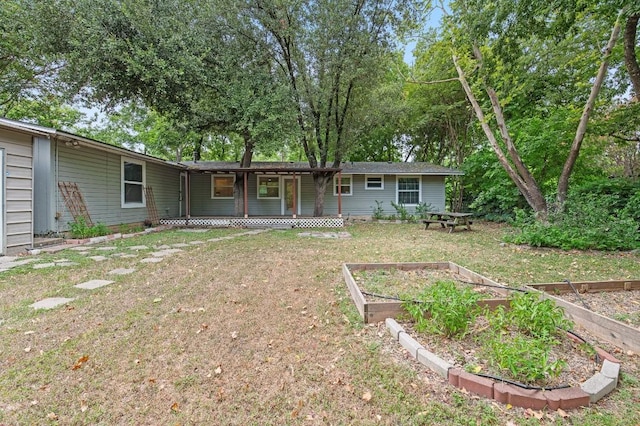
(367, 396)
(52, 416)
(83, 405)
(27, 349)
(562, 413)
(234, 334)
(80, 361)
(532, 413)
(157, 300)
(175, 407)
(218, 370)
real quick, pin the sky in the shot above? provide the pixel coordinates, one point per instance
(433, 21)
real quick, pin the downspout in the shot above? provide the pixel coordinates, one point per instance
(56, 173)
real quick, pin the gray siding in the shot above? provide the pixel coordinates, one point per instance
(18, 196)
(98, 175)
(361, 203)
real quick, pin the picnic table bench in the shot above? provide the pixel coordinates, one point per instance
(448, 219)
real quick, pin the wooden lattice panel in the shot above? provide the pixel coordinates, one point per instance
(74, 202)
(152, 211)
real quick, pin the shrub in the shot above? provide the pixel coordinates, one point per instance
(80, 229)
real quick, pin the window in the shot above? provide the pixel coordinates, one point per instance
(374, 182)
(221, 186)
(409, 190)
(345, 185)
(133, 182)
(268, 187)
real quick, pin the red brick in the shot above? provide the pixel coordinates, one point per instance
(501, 392)
(527, 398)
(606, 355)
(573, 397)
(554, 398)
(454, 374)
(476, 384)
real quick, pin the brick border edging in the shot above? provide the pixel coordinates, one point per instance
(589, 392)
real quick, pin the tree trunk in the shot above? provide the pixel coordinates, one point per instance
(630, 59)
(238, 184)
(320, 181)
(526, 184)
(563, 182)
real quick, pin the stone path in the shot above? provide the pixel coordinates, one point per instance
(158, 255)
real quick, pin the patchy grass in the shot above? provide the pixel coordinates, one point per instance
(258, 330)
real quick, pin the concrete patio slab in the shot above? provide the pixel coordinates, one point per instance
(51, 302)
(93, 284)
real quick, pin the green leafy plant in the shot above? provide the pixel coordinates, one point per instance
(378, 211)
(443, 308)
(423, 209)
(522, 357)
(536, 317)
(80, 229)
(403, 213)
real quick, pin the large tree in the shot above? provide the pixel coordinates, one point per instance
(513, 61)
(330, 52)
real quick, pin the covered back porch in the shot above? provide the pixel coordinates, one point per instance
(274, 194)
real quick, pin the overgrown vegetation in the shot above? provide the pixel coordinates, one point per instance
(518, 341)
(420, 211)
(80, 229)
(600, 216)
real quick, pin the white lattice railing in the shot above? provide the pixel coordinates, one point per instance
(267, 222)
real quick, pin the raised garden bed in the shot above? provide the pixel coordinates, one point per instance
(597, 318)
(373, 308)
(370, 286)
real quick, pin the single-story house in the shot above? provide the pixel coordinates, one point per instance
(357, 188)
(49, 177)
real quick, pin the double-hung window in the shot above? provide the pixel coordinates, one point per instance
(344, 184)
(409, 188)
(268, 186)
(133, 180)
(222, 186)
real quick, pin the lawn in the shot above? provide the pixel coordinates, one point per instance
(259, 329)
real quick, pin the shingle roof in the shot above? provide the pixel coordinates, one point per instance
(389, 168)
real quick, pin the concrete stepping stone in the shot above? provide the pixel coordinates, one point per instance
(195, 243)
(66, 263)
(162, 247)
(93, 284)
(44, 265)
(98, 258)
(51, 302)
(80, 248)
(151, 259)
(166, 252)
(121, 271)
(194, 230)
(179, 245)
(128, 255)
(138, 248)
(107, 248)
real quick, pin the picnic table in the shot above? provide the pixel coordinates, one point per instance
(448, 219)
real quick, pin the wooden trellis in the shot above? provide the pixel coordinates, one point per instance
(74, 202)
(152, 211)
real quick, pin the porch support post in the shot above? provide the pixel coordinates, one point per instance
(246, 195)
(295, 190)
(188, 196)
(340, 194)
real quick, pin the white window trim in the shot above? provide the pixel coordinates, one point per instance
(268, 177)
(213, 188)
(122, 183)
(366, 182)
(398, 177)
(335, 185)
